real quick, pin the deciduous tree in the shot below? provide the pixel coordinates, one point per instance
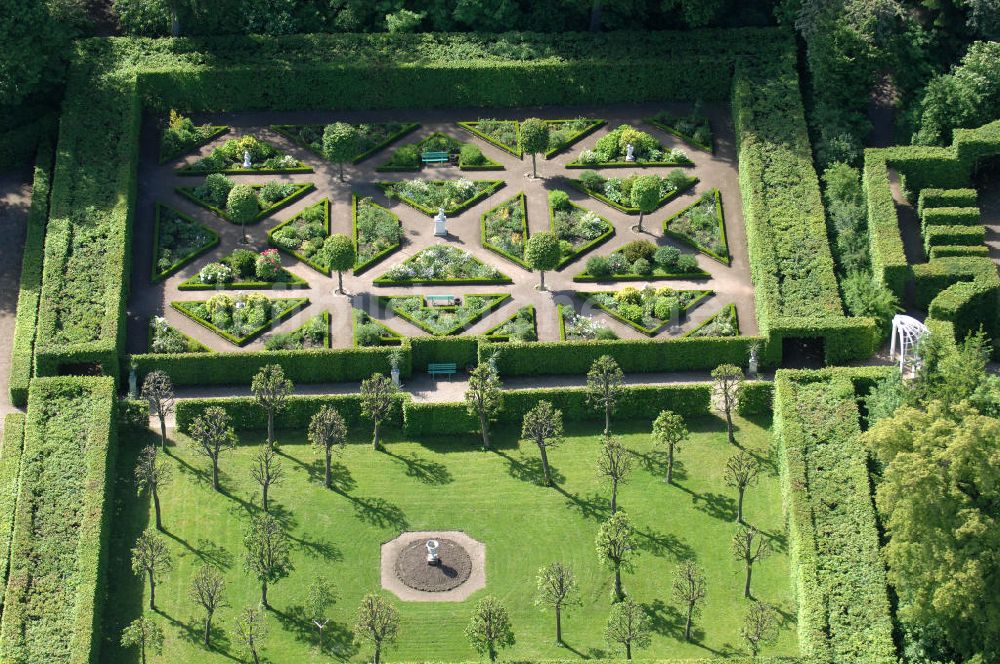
(669, 431)
(645, 196)
(151, 473)
(321, 596)
(727, 380)
(742, 471)
(340, 143)
(377, 623)
(271, 391)
(614, 463)
(759, 627)
(151, 557)
(750, 546)
(267, 553)
(484, 397)
(615, 547)
(250, 631)
(628, 625)
(489, 628)
(158, 390)
(542, 253)
(208, 590)
(328, 431)
(267, 470)
(688, 591)
(543, 426)
(605, 386)
(558, 590)
(534, 139)
(213, 434)
(143, 633)
(341, 255)
(378, 400)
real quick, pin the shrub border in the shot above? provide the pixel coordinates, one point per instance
(294, 304)
(302, 188)
(576, 184)
(408, 128)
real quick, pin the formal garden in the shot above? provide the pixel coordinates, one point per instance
(371, 344)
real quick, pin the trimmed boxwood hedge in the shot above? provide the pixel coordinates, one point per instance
(936, 198)
(951, 216)
(946, 251)
(31, 279)
(885, 244)
(936, 236)
(52, 610)
(10, 478)
(755, 397)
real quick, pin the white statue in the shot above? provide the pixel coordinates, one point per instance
(246, 159)
(432, 552)
(440, 223)
(629, 152)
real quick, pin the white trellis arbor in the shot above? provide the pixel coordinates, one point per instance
(906, 334)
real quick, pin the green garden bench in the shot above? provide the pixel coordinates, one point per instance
(441, 300)
(442, 368)
(435, 157)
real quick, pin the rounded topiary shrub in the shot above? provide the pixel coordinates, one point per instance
(242, 205)
(242, 261)
(667, 257)
(558, 199)
(637, 249)
(598, 266)
(687, 263)
(592, 180)
(642, 266)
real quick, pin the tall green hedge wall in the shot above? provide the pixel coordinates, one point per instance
(51, 609)
(10, 482)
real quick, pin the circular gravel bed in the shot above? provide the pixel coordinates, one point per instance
(452, 570)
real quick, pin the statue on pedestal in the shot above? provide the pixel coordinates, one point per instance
(440, 223)
(629, 152)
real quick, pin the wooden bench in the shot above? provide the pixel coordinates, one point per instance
(441, 300)
(442, 368)
(435, 157)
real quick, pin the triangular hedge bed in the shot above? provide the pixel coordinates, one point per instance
(686, 300)
(657, 272)
(408, 158)
(372, 250)
(446, 320)
(171, 339)
(669, 123)
(680, 187)
(562, 133)
(300, 337)
(611, 148)
(504, 229)
(484, 189)
(205, 134)
(280, 308)
(374, 136)
(581, 244)
(525, 316)
(302, 235)
(242, 281)
(724, 323)
(228, 158)
(386, 335)
(702, 225)
(442, 264)
(301, 189)
(177, 240)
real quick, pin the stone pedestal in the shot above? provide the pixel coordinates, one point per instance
(440, 224)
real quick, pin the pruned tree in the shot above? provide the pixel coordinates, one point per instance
(645, 196)
(340, 143)
(145, 634)
(378, 400)
(213, 433)
(727, 380)
(605, 386)
(689, 591)
(377, 623)
(328, 431)
(267, 553)
(341, 255)
(628, 626)
(267, 470)
(489, 628)
(250, 631)
(158, 390)
(615, 545)
(484, 398)
(760, 626)
(542, 252)
(208, 590)
(558, 590)
(271, 391)
(614, 463)
(151, 473)
(750, 546)
(669, 431)
(321, 596)
(534, 139)
(543, 426)
(742, 471)
(151, 557)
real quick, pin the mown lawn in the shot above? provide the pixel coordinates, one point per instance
(445, 484)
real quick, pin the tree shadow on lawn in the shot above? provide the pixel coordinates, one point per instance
(338, 639)
(193, 632)
(424, 470)
(713, 504)
(379, 512)
(529, 469)
(665, 619)
(595, 506)
(208, 552)
(660, 545)
(340, 476)
(655, 463)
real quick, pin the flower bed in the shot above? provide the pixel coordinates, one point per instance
(182, 135)
(505, 229)
(468, 156)
(648, 310)
(377, 232)
(271, 197)
(429, 195)
(506, 134)
(304, 234)
(723, 324)
(519, 327)
(579, 230)
(693, 128)
(444, 320)
(575, 327)
(370, 332)
(314, 333)
(165, 338)
(244, 269)
(702, 226)
(228, 158)
(641, 260)
(442, 264)
(617, 192)
(610, 151)
(239, 318)
(564, 133)
(372, 136)
(177, 240)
